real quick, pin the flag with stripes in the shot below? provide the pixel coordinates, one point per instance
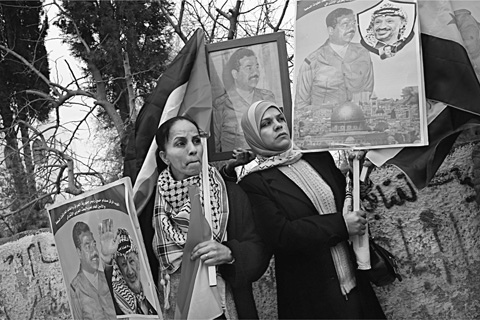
(196, 299)
(451, 58)
(183, 89)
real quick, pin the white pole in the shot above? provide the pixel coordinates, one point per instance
(212, 274)
(360, 243)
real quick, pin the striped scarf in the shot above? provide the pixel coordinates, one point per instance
(318, 191)
(172, 215)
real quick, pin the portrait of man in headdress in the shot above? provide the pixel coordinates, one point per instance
(388, 30)
(123, 271)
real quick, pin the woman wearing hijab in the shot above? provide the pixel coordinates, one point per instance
(297, 202)
(235, 250)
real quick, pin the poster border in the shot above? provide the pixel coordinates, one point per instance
(279, 39)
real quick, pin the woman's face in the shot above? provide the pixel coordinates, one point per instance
(274, 130)
(183, 150)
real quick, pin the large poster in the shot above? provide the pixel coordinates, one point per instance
(358, 79)
(102, 255)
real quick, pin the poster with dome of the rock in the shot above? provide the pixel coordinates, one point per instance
(358, 77)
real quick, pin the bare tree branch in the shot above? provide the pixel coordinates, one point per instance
(26, 206)
(129, 80)
(176, 26)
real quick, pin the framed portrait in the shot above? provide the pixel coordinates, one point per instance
(244, 71)
(358, 78)
(100, 273)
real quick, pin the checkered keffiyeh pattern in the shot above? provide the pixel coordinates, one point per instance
(172, 214)
(127, 300)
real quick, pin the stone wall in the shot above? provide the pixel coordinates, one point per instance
(434, 232)
(31, 279)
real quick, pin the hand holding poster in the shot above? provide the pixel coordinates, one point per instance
(103, 259)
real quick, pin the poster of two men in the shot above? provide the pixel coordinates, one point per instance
(104, 265)
(358, 79)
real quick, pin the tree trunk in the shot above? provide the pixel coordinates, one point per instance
(28, 159)
(12, 154)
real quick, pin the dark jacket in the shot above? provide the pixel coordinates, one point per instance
(251, 258)
(307, 283)
(251, 261)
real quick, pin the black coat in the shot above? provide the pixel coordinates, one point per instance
(248, 249)
(300, 238)
(251, 259)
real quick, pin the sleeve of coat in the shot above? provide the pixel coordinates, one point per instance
(248, 249)
(306, 233)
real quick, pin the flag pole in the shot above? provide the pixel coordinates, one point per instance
(212, 274)
(360, 243)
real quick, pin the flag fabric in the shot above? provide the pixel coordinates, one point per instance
(196, 298)
(183, 89)
(452, 87)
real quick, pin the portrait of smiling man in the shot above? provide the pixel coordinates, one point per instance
(387, 26)
(89, 291)
(339, 70)
(387, 31)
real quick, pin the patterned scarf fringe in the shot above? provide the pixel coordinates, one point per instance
(318, 191)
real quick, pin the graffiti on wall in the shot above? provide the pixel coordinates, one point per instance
(31, 279)
(399, 190)
(416, 227)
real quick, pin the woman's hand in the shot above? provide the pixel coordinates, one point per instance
(240, 158)
(365, 163)
(212, 253)
(366, 167)
(356, 222)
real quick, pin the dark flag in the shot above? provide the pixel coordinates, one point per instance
(451, 85)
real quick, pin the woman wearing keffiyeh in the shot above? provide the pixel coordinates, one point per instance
(235, 248)
(297, 203)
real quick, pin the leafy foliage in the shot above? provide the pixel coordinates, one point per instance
(99, 32)
(21, 30)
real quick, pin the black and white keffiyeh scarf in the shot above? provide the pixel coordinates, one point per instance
(127, 300)
(172, 214)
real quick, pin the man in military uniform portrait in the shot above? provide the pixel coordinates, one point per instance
(240, 78)
(339, 70)
(90, 295)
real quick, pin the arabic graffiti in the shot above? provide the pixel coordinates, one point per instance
(430, 238)
(399, 190)
(31, 279)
